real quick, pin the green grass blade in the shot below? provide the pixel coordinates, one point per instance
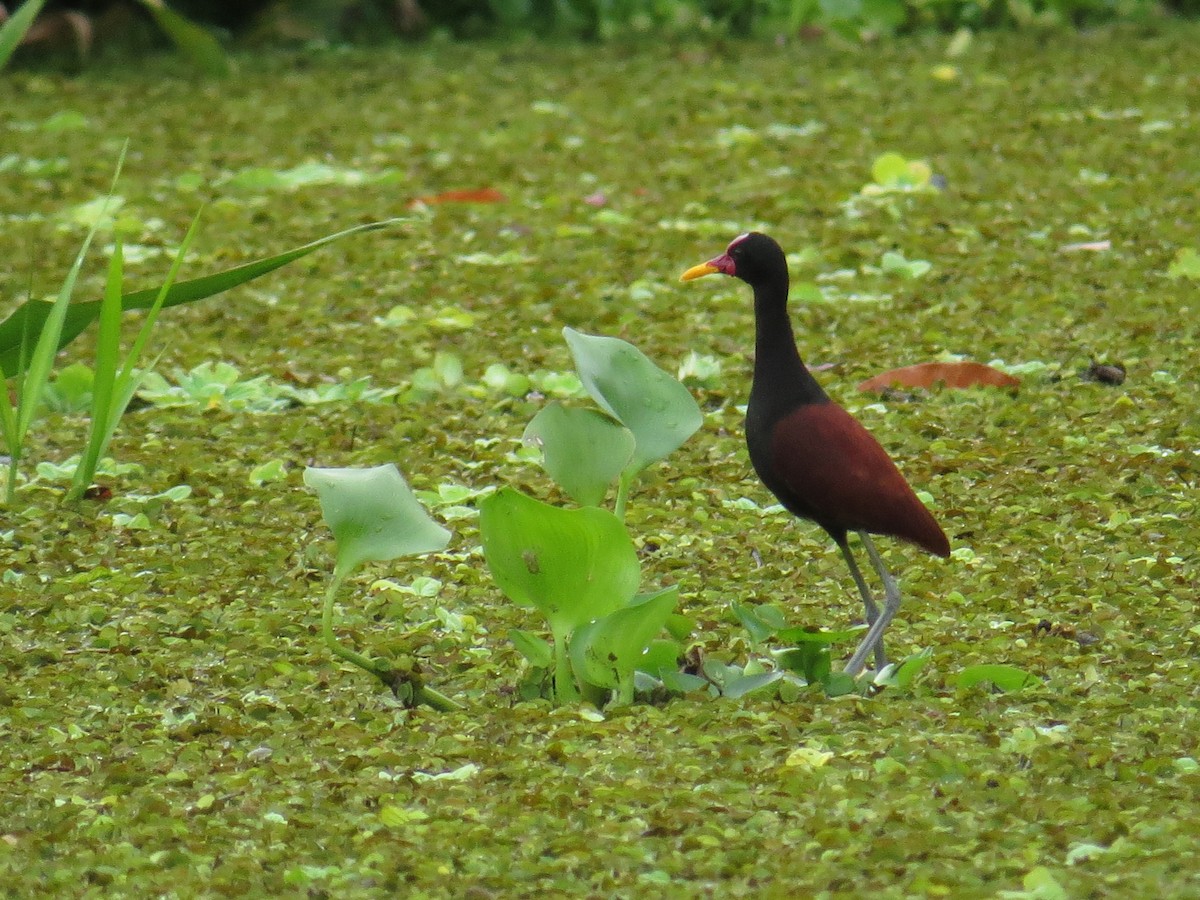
(47, 345)
(127, 381)
(33, 314)
(194, 42)
(143, 337)
(8, 420)
(108, 347)
(14, 29)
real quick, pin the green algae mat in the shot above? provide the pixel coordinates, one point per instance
(172, 724)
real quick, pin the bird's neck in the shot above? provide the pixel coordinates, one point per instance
(781, 380)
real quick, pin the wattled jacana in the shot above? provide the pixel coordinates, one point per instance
(811, 454)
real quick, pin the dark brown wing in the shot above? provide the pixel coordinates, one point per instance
(840, 477)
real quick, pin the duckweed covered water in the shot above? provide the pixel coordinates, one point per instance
(171, 721)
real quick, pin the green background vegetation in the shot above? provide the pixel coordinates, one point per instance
(173, 724)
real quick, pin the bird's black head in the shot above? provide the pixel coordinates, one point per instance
(753, 257)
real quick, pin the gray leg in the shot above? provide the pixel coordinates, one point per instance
(872, 610)
(891, 605)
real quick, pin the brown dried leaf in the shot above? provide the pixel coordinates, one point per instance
(951, 374)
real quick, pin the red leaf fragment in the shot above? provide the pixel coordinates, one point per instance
(475, 195)
(952, 374)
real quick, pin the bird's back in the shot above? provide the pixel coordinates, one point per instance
(823, 465)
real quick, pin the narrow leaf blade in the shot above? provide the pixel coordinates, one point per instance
(12, 31)
(31, 316)
(1005, 678)
(108, 339)
(193, 41)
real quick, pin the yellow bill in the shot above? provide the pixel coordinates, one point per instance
(699, 272)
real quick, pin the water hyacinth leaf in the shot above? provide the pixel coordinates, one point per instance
(839, 684)
(660, 411)
(682, 682)
(1005, 678)
(737, 686)
(607, 651)
(574, 565)
(679, 626)
(661, 656)
(810, 661)
(902, 676)
(373, 515)
(760, 621)
(583, 450)
(813, 636)
(31, 316)
(533, 648)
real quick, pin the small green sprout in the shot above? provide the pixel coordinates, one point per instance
(374, 517)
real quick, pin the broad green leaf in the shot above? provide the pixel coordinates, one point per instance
(904, 673)
(271, 471)
(533, 648)
(733, 681)
(12, 31)
(679, 626)
(32, 314)
(682, 682)
(808, 635)
(1040, 884)
(192, 40)
(373, 515)
(574, 565)
(892, 171)
(761, 621)
(810, 661)
(894, 263)
(839, 684)
(71, 390)
(1185, 265)
(661, 655)
(889, 168)
(1005, 678)
(607, 651)
(583, 450)
(310, 174)
(740, 685)
(660, 411)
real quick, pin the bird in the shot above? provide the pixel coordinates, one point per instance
(815, 457)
